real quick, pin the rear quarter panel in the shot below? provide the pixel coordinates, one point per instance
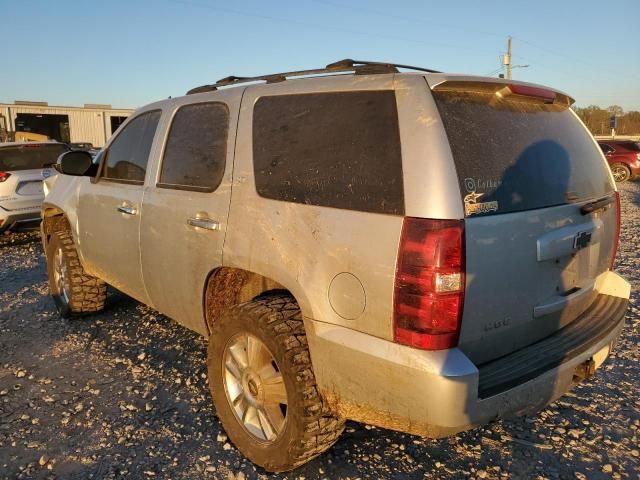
(306, 247)
(340, 264)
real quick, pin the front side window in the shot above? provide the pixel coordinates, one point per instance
(633, 146)
(128, 154)
(196, 150)
(336, 149)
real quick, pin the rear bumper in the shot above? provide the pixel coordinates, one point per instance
(9, 219)
(438, 393)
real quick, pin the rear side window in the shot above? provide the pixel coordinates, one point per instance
(196, 150)
(128, 154)
(338, 149)
(519, 155)
(606, 148)
(30, 156)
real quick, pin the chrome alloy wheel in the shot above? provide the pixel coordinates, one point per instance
(619, 173)
(254, 387)
(60, 276)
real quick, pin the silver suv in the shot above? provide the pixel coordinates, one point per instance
(23, 166)
(424, 252)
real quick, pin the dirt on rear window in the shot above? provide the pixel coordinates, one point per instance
(513, 156)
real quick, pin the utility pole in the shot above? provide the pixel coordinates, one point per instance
(507, 58)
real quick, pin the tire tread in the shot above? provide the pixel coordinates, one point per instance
(88, 293)
(278, 316)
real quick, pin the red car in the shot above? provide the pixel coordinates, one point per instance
(623, 157)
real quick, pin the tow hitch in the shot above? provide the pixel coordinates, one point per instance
(584, 371)
(587, 368)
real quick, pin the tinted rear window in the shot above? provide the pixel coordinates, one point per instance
(196, 150)
(519, 155)
(29, 156)
(338, 149)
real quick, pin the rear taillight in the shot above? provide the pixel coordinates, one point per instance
(617, 239)
(429, 283)
(4, 176)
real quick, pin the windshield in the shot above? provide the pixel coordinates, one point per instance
(515, 155)
(30, 156)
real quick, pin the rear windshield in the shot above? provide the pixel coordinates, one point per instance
(29, 156)
(514, 155)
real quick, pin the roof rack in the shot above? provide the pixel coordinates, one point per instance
(359, 67)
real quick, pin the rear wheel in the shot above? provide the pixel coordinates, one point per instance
(73, 290)
(263, 385)
(621, 172)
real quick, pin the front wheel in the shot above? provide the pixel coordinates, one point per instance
(263, 385)
(73, 289)
(621, 172)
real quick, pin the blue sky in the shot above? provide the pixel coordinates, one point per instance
(131, 52)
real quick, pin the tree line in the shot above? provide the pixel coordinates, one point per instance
(597, 119)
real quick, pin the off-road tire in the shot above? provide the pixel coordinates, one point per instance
(310, 428)
(86, 293)
(624, 172)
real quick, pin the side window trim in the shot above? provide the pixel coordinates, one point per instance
(105, 155)
(191, 188)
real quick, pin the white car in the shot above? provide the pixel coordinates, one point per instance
(23, 167)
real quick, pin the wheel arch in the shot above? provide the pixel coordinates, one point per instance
(625, 167)
(54, 220)
(229, 286)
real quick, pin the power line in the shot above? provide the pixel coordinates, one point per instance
(406, 19)
(459, 28)
(320, 26)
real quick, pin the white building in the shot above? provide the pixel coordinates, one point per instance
(89, 124)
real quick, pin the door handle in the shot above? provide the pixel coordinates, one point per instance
(203, 222)
(128, 209)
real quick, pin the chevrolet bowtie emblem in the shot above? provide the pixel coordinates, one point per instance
(581, 240)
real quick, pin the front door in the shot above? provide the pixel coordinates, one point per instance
(186, 207)
(110, 209)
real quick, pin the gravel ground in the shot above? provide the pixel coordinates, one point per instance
(123, 394)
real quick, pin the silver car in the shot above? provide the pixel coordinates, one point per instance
(421, 251)
(23, 167)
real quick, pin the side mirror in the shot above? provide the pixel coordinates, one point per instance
(75, 162)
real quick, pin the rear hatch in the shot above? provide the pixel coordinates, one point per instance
(22, 170)
(540, 212)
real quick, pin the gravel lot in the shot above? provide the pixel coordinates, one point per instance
(123, 394)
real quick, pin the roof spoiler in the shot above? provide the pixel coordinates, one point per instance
(506, 90)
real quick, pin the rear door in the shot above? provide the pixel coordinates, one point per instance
(187, 204)
(527, 167)
(23, 168)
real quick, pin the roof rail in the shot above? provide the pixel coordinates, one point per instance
(359, 67)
